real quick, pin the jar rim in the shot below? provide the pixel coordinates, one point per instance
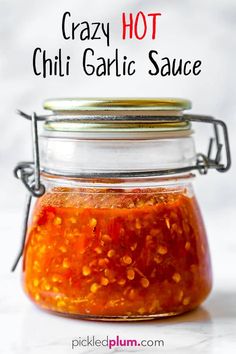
(138, 129)
(53, 178)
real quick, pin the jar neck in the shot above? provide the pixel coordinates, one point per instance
(96, 157)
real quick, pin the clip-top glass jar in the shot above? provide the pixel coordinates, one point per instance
(116, 232)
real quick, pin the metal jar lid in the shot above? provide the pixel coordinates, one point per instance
(117, 115)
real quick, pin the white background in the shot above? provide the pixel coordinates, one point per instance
(188, 29)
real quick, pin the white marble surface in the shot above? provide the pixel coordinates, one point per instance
(211, 329)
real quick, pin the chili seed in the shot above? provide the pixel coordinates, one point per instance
(167, 223)
(36, 282)
(94, 288)
(141, 310)
(73, 220)
(121, 282)
(186, 301)
(104, 281)
(111, 253)
(138, 224)
(98, 250)
(86, 271)
(57, 221)
(62, 249)
(144, 282)
(37, 297)
(133, 247)
(158, 259)
(93, 222)
(132, 294)
(61, 303)
(176, 277)
(102, 262)
(127, 259)
(130, 274)
(106, 238)
(162, 250)
(187, 245)
(66, 263)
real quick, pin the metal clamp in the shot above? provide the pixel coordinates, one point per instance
(29, 174)
(205, 162)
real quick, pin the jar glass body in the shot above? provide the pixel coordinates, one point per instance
(117, 250)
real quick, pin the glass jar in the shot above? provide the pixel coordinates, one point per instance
(117, 233)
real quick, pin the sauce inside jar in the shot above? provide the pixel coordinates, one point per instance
(117, 253)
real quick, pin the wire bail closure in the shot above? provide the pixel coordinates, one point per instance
(29, 172)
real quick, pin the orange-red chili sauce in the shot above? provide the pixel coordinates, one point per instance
(117, 253)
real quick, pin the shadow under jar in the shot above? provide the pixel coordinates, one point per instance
(118, 234)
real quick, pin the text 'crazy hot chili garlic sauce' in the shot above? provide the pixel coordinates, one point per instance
(116, 248)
